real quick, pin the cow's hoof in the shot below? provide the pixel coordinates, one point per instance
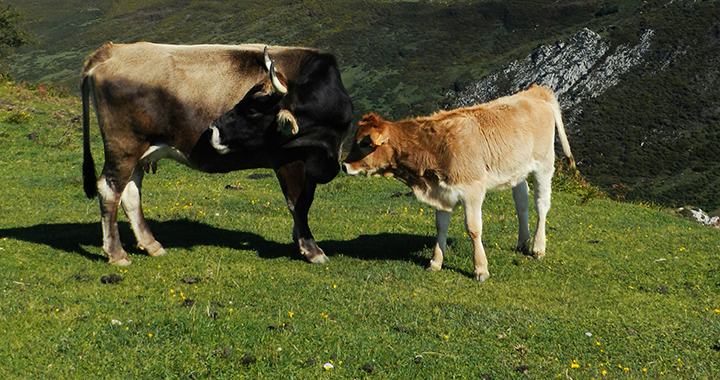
(480, 277)
(318, 259)
(155, 249)
(121, 262)
(312, 252)
(120, 258)
(538, 255)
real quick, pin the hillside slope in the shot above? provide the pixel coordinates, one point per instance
(652, 136)
(625, 291)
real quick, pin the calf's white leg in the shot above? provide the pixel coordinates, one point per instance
(543, 185)
(522, 203)
(442, 222)
(473, 223)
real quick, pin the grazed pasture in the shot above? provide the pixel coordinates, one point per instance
(626, 290)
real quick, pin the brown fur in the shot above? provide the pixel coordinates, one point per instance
(155, 101)
(456, 156)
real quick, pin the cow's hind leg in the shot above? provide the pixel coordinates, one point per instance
(299, 194)
(442, 222)
(473, 223)
(132, 204)
(543, 185)
(109, 198)
(522, 203)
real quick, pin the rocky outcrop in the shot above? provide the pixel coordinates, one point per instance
(697, 214)
(579, 68)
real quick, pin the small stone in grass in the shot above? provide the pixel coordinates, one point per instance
(247, 359)
(111, 279)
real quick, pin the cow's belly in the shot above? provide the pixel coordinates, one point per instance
(157, 152)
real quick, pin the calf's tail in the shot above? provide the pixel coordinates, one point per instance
(569, 160)
(89, 176)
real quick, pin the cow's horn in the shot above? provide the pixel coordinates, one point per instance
(279, 87)
(266, 56)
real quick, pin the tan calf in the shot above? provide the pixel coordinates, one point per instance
(456, 156)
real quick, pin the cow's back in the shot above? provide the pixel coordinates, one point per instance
(210, 77)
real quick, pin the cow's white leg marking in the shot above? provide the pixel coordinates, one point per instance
(442, 222)
(522, 203)
(473, 223)
(109, 201)
(543, 184)
(131, 203)
(216, 140)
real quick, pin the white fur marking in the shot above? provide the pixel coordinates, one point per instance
(216, 142)
(157, 152)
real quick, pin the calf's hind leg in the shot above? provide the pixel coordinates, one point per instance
(132, 205)
(543, 188)
(522, 203)
(442, 222)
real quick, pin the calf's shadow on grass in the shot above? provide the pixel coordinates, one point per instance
(85, 238)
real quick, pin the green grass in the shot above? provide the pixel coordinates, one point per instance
(233, 300)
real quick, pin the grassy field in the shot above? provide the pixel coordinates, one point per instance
(626, 291)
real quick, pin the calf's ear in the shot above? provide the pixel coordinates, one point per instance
(379, 136)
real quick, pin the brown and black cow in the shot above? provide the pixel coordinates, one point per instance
(456, 156)
(214, 108)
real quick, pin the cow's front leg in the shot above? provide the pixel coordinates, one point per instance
(132, 204)
(522, 203)
(442, 222)
(473, 223)
(299, 194)
(109, 199)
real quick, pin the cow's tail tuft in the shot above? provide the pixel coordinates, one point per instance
(88, 170)
(569, 160)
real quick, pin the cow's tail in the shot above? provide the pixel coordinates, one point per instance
(89, 176)
(569, 160)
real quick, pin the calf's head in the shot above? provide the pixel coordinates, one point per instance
(372, 152)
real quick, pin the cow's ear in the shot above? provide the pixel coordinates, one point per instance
(287, 123)
(379, 136)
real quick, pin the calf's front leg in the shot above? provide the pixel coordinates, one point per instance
(522, 203)
(473, 223)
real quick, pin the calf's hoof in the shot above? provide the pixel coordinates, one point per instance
(524, 248)
(434, 266)
(481, 277)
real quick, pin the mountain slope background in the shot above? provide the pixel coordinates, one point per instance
(654, 135)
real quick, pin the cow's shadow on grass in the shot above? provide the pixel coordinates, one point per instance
(85, 239)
